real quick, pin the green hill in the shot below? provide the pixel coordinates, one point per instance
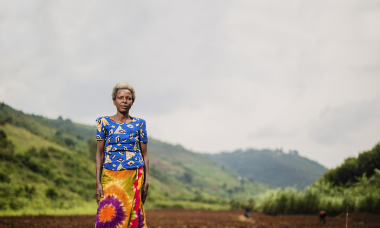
(274, 168)
(47, 166)
(353, 168)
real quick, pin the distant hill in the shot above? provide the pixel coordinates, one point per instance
(49, 164)
(274, 168)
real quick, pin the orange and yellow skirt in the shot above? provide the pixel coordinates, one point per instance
(121, 204)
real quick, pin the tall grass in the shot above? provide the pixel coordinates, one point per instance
(320, 196)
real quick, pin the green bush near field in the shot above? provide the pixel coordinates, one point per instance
(362, 196)
(343, 189)
(353, 167)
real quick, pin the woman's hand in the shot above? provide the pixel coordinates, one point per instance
(99, 192)
(144, 192)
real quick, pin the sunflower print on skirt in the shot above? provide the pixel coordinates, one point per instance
(121, 206)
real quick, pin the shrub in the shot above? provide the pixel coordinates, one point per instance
(353, 167)
(3, 204)
(6, 120)
(44, 154)
(60, 182)
(315, 198)
(16, 204)
(32, 151)
(3, 136)
(4, 178)
(188, 177)
(51, 193)
(29, 190)
(69, 142)
(235, 205)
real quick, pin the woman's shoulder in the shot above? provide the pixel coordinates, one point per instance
(102, 120)
(103, 117)
(138, 119)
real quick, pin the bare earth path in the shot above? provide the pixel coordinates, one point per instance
(201, 219)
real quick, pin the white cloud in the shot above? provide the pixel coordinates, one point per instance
(337, 124)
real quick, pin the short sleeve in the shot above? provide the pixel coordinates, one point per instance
(143, 133)
(101, 124)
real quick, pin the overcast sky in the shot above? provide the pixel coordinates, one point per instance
(212, 75)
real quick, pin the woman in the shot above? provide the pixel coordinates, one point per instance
(123, 159)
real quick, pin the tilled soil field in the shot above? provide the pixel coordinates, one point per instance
(202, 219)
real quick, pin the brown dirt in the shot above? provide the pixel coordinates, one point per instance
(202, 219)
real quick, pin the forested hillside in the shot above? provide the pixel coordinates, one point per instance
(353, 186)
(354, 168)
(273, 168)
(42, 177)
(49, 165)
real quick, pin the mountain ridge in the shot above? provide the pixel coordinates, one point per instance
(271, 167)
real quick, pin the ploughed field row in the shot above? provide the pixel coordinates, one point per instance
(200, 218)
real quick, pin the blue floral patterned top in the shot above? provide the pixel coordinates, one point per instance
(122, 142)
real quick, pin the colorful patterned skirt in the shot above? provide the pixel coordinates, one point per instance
(121, 205)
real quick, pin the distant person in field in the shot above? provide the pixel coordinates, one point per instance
(322, 217)
(248, 209)
(122, 164)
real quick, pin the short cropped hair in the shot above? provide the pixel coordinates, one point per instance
(123, 85)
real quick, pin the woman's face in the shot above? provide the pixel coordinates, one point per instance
(123, 101)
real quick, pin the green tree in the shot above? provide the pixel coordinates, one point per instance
(353, 168)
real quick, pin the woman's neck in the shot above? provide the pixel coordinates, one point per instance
(122, 117)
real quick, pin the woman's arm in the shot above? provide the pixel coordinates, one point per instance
(99, 166)
(144, 152)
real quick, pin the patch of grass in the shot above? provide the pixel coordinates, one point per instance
(318, 197)
(23, 140)
(85, 208)
(186, 205)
